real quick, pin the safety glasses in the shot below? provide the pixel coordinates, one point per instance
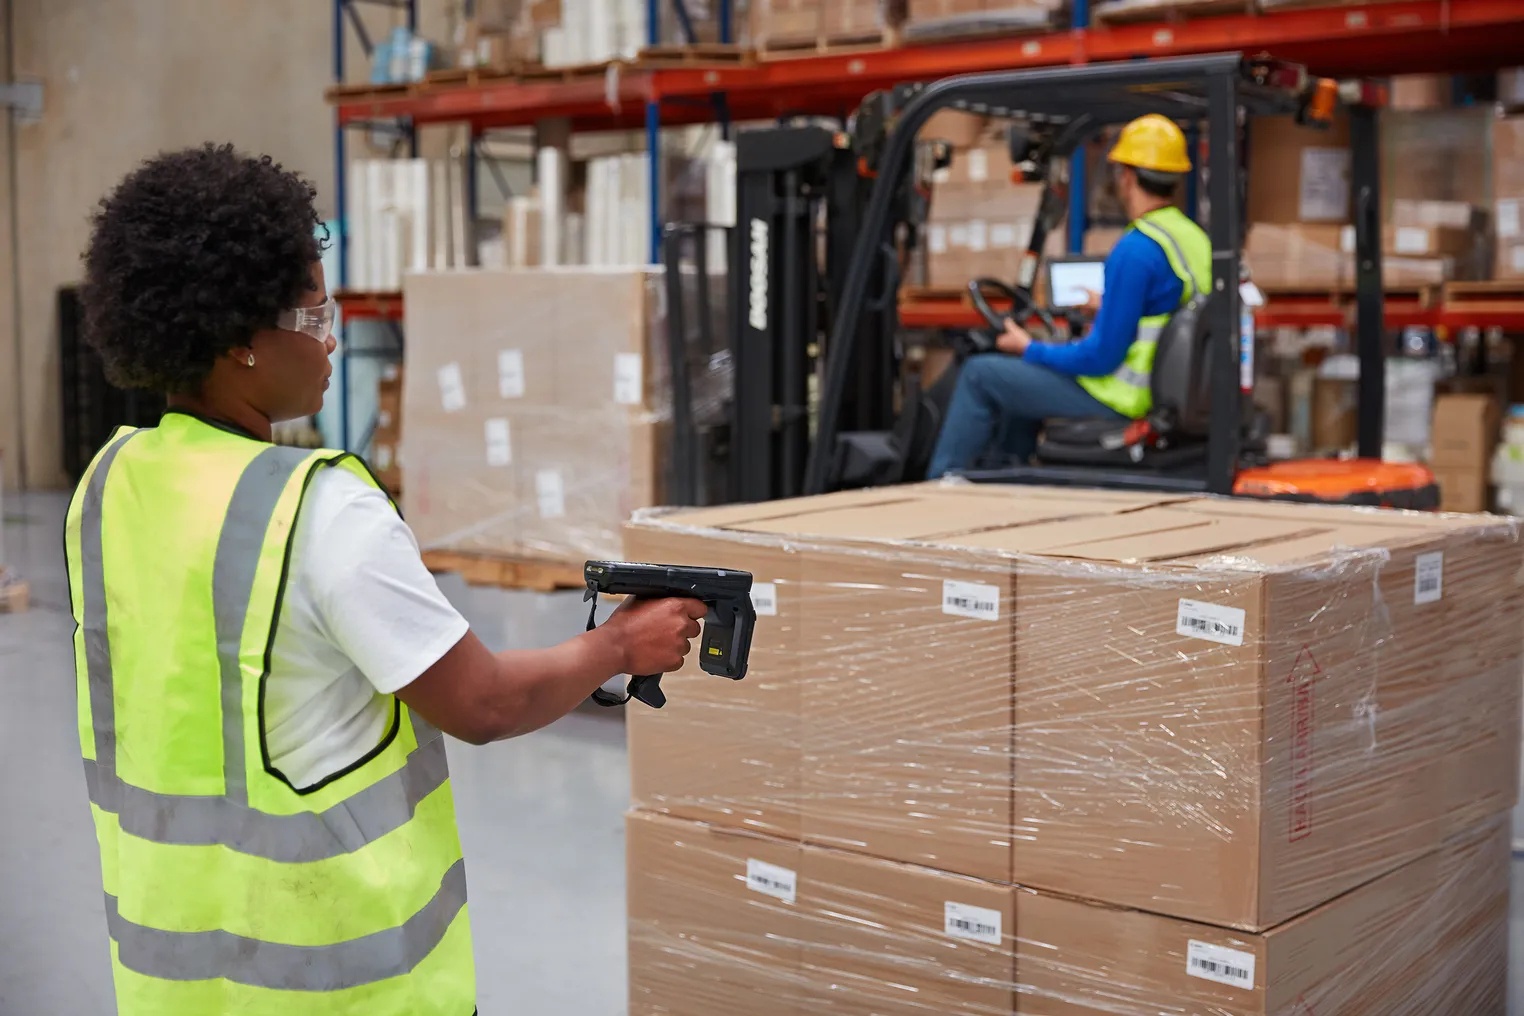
(314, 321)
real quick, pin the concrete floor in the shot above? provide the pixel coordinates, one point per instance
(540, 819)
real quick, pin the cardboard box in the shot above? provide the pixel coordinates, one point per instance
(1410, 92)
(1435, 155)
(1135, 682)
(1508, 196)
(1432, 937)
(1298, 256)
(1463, 488)
(714, 921)
(1465, 430)
(1298, 174)
(721, 922)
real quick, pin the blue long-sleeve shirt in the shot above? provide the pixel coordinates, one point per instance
(1139, 283)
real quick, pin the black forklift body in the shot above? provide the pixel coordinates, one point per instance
(1081, 100)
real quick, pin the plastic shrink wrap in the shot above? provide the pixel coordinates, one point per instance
(1021, 748)
(537, 407)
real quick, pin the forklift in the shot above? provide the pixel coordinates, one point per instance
(819, 403)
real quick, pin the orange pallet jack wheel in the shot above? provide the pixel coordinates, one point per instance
(1343, 481)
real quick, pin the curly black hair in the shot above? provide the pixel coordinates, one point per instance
(192, 254)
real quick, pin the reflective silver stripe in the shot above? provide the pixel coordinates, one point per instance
(1148, 333)
(239, 548)
(204, 955)
(1127, 375)
(93, 622)
(1169, 238)
(381, 808)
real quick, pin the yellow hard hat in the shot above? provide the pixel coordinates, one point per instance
(1152, 142)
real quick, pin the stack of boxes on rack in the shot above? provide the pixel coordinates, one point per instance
(1025, 751)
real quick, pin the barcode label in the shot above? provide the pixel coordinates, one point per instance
(551, 493)
(1211, 622)
(771, 880)
(1429, 577)
(629, 380)
(499, 446)
(452, 388)
(970, 599)
(978, 924)
(510, 373)
(764, 599)
(1232, 967)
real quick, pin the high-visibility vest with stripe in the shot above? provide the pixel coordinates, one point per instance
(1128, 389)
(228, 890)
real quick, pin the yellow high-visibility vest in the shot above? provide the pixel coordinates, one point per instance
(228, 891)
(1129, 389)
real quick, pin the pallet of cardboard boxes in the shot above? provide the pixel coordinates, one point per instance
(1015, 750)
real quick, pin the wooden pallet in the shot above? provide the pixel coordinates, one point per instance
(698, 54)
(1122, 12)
(15, 595)
(792, 47)
(506, 572)
(572, 72)
(469, 76)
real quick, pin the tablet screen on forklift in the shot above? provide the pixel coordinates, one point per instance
(1069, 279)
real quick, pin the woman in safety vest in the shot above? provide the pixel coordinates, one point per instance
(264, 664)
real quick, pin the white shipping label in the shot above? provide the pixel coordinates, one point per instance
(452, 388)
(499, 446)
(1429, 577)
(1347, 239)
(1232, 967)
(383, 456)
(1211, 622)
(971, 599)
(510, 374)
(1516, 258)
(936, 239)
(1003, 236)
(958, 235)
(978, 235)
(771, 880)
(764, 599)
(1508, 218)
(943, 175)
(383, 419)
(1324, 192)
(1411, 240)
(551, 493)
(978, 166)
(980, 924)
(629, 379)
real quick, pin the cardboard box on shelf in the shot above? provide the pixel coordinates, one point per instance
(937, 19)
(1298, 256)
(1298, 174)
(749, 924)
(1074, 692)
(1435, 155)
(790, 24)
(1465, 430)
(1411, 92)
(1462, 488)
(1508, 195)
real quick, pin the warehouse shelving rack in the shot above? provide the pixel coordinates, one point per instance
(1354, 39)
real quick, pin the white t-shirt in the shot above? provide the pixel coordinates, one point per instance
(361, 618)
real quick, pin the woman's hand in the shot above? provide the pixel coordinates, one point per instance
(653, 636)
(1092, 304)
(1014, 339)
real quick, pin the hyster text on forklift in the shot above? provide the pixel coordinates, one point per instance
(819, 399)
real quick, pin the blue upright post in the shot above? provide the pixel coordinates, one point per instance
(339, 216)
(1079, 186)
(1193, 178)
(653, 137)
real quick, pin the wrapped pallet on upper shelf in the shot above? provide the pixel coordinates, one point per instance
(537, 407)
(927, 20)
(1031, 750)
(1508, 463)
(780, 28)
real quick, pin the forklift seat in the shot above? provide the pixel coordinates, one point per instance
(1173, 434)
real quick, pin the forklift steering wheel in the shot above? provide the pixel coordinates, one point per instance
(1022, 305)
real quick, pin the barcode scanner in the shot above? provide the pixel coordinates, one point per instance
(726, 643)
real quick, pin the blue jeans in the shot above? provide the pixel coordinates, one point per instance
(1004, 396)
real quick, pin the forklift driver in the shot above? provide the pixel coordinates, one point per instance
(1155, 267)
